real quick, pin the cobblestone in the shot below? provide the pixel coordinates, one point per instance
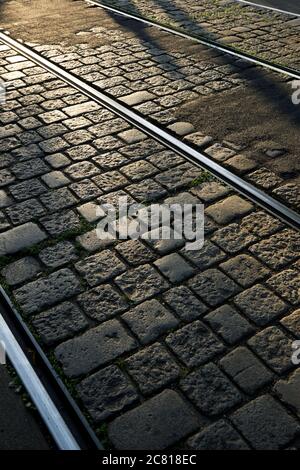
(194, 344)
(229, 209)
(46, 291)
(245, 270)
(58, 255)
(288, 391)
(100, 267)
(218, 436)
(246, 370)
(105, 393)
(233, 238)
(274, 348)
(213, 286)
(287, 284)
(102, 302)
(152, 368)
(260, 304)
(265, 424)
(229, 324)
(174, 267)
(292, 323)
(97, 347)
(20, 237)
(60, 323)
(150, 320)
(21, 270)
(210, 390)
(141, 283)
(185, 304)
(151, 425)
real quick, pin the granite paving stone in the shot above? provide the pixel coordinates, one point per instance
(213, 286)
(274, 348)
(106, 393)
(260, 305)
(150, 426)
(185, 304)
(210, 390)
(265, 424)
(229, 324)
(246, 370)
(44, 292)
(149, 320)
(152, 368)
(94, 348)
(59, 323)
(194, 344)
(141, 283)
(102, 302)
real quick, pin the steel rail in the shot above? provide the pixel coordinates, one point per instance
(290, 72)
(63, 419)
(38, 393)
(160, 134)
(267, 7)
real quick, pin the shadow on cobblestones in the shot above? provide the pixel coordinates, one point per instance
(261, 81)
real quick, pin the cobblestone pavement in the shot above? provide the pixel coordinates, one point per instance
(161, 346)
(266, 34)
(246, 113)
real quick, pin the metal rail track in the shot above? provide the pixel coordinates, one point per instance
(160, 134)
(60, 413)
(63, 419)
(266, 7)
(290, 72)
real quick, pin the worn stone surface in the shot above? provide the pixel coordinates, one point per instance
(279, 250)
(60, 323)
(151, 425)
(185, 304)
(97, 347)
(260, 304)
(21, 270)
(174, 267)
(246, 370)
(226, 211)
(102, 302)
(213, 286)
(288, 391)
(229, 324)
(218, 436)
(105, 393)
(210, 390)
(44, 292)
(265, 424)
(287, 284)
(58, 255)
(194, 344)
(292, 323)
(100, 267)
(20, 237)
(150, 320)
(245, 270)
(152, 368)
(274, 348)
(233, 238)
(206, 257)
(141, 283)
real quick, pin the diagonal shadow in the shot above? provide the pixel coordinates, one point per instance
(257, 79)
(166, 61)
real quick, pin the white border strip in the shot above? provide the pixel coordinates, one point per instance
(39, 395)
(267, 7)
